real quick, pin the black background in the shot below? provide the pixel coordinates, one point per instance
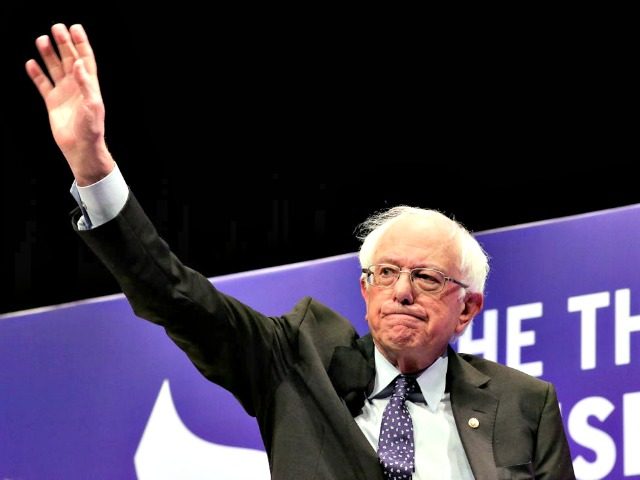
(256, 138)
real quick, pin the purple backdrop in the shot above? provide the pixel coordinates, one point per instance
(79, 383)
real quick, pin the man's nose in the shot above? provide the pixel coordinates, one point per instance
(403, 289)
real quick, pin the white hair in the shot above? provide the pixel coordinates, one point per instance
(474, 262)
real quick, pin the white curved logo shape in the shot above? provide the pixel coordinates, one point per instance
(168, 450)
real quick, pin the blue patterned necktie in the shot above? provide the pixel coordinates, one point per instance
(395, 444)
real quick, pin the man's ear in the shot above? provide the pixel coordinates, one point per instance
(363, 287)
(471, 306)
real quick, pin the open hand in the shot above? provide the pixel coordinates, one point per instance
(71, 93)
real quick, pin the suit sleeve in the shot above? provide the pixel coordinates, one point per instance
(232, 345)
(552, 455)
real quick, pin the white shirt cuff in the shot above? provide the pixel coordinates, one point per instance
(101, 201)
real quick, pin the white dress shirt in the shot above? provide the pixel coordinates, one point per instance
(438, 448)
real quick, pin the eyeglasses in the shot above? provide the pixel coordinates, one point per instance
(425, 279)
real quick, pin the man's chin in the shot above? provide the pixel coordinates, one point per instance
(401, 338)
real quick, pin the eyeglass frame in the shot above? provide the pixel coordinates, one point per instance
(369, 274)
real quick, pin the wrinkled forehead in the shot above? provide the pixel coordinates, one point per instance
(417, 241)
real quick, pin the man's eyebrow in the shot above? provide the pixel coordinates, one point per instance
(394, 261)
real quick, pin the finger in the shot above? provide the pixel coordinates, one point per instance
(39, 79)
(81, 42)
(50, 58)
(68, 52)
(84, 81)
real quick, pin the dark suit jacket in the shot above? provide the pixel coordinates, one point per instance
(305, 375)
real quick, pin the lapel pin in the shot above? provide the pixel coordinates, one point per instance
(473, 422)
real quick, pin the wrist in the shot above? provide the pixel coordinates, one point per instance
(91, 165)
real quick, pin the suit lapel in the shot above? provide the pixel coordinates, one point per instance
(474, 409)
(352, 373)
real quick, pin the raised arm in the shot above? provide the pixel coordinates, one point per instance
(71, 93)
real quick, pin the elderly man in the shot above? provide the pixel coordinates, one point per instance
(398, 403)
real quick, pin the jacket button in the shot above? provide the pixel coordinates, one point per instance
(473, 422)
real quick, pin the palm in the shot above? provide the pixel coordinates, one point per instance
(70, 121)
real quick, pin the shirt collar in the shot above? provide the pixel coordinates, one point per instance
(432, 381)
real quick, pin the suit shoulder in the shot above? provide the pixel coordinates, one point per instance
(319, 329)
(315, 316)
(309, 307)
